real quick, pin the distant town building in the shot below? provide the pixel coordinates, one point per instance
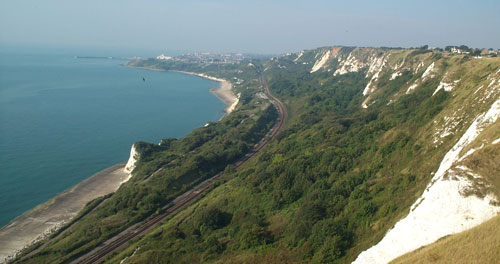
(458, 50)
(494, 52)
(210, 58)
(163, 57)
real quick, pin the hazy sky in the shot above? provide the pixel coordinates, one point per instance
(249, 26)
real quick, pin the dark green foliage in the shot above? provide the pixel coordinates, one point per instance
(323, 170)
(328, 186)
(214, 218)
(334, 179)
(163, 172)
(254, 236)
(212, 245)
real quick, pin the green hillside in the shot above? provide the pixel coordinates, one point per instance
(367, 129)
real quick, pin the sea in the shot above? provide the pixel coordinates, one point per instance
(64, 117)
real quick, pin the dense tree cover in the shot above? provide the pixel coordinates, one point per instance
(163, 172)
(329, 185)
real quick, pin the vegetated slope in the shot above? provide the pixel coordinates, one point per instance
(163, 172)
(478, 245)
(368, 130)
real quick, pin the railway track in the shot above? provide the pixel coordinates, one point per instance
(183, 200)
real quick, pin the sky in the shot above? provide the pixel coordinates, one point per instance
(257, 26)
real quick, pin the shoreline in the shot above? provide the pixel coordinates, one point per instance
(41, 221)
(224, 92)
(48, 217)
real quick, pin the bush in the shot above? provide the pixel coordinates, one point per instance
(214, 218)
(255, 236)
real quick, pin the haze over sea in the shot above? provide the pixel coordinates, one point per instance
(63, 118)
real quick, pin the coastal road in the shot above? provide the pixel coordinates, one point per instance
(185, 199)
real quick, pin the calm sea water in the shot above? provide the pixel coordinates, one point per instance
(63, 119)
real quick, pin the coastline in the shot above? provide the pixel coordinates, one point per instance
(41, 221)
(48, 217)
(224, 92)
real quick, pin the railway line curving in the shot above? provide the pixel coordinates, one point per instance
(184, 199)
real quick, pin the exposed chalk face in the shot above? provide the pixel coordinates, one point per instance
(351, 64)
(418, 67)
(411, 88)
(395, 75)
(447, 87)
(321, 62)
(299, 56)
(365, 103)
(234, 104)
(442, 209)
(429, 72)
(376, 67)
(134, 156)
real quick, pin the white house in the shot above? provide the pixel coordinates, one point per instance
(163, 57)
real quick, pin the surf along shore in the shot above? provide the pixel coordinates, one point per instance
(40, 222)
(47, 218)
(224, 92)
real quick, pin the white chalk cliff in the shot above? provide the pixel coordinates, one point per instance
(134, 156)
(442, 209)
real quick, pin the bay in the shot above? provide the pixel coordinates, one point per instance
(64, 118)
